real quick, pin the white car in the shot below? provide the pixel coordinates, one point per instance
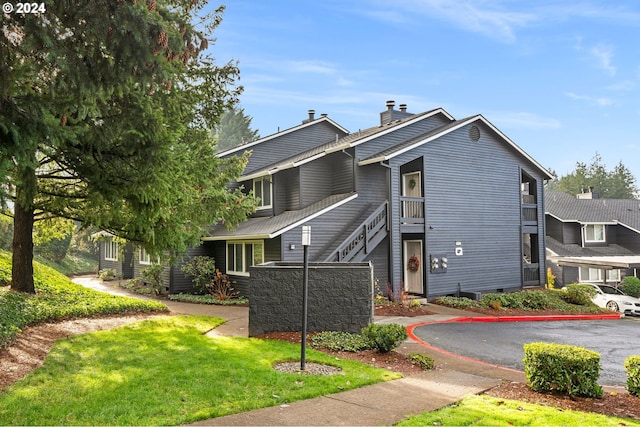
(616, 300)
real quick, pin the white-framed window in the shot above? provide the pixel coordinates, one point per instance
(243, 254)
(587, 274)
(110, 250)
(262, 190)
(594, 233)
(145, 258)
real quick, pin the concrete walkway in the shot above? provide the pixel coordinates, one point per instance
(380, 404)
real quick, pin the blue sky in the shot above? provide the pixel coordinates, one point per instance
(560, 78)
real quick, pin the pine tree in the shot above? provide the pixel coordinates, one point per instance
(105, 111)
(616, 184)
(235, 130)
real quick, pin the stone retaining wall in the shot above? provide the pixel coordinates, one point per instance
(340, 297)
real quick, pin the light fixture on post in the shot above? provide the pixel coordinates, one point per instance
(306, 241)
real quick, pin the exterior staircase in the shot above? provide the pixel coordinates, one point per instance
(364, 239)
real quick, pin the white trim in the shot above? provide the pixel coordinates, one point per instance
(584, 233)
(345, 145)
(278, 134)
(283, 230)
(261, 180)
(463, 123)
(111, 248)
(244, 244)
(142, 257)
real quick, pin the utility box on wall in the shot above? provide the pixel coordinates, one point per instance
(340, 297)
(439, 263)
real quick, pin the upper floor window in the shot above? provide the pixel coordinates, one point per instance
(111, 250)
(262, 190)
(594, 233)
(242, 255)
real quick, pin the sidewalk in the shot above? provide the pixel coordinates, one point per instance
(380, 404)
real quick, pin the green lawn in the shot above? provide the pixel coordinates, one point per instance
(165, 371)
(489, 411)
(57, 298)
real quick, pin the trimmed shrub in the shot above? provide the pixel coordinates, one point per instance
(107, 274)
(457, 302)
(425, 362)
(631, 286)
(153, 276)
(632, 366)
(339, 341)
(561, 368)
(384, 338)
(524, 300)
(579, 294)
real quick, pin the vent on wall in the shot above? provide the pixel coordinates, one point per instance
(474, 133)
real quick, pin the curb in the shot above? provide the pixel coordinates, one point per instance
(607, 316)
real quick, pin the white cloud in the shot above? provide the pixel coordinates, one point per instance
(525, 120)
(604, 55)
(599, 101)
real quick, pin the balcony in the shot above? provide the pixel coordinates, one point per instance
(531, 274)
(412, 211)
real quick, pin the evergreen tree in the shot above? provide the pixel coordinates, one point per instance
(105, 111)
(616, 184)
(234, 130)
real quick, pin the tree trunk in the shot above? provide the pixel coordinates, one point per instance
(22, 263)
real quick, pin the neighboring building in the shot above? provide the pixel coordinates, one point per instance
(439, 206)
(591, 239)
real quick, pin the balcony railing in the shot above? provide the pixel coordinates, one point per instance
(531, 274)
(412, 210)
(364, 239)
(530, 214)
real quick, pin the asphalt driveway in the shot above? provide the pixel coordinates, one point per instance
(501, 343)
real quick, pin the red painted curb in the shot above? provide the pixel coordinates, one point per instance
(412, 336)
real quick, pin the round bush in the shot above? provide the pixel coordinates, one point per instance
(631, 286)
(384, 338)
(579, 294)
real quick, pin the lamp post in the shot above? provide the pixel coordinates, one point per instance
(306, 241)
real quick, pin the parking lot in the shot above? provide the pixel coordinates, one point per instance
(501, 343)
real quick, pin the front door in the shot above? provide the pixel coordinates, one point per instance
(413, 277)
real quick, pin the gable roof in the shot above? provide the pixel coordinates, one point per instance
(568, 208)
(348, 141)
(303, 125)
(270, 227)
(408, 145)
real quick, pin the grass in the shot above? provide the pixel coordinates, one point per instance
(489, 411)
(72, 264)
(165, 371)
(57, 298)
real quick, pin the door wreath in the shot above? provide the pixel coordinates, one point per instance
(414, 263)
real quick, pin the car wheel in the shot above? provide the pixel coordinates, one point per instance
(612, 305)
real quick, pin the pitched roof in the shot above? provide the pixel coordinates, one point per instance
(568, 208)
(304, 124)
(576, 250)
(405, 146)
(347, 141)
(270, 227)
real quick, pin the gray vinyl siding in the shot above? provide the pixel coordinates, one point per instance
(315, 181)
(629, 239)
(472, 196)
(400, 135)
(380, 260)
(286, 189)
(373, 184)
(555, 229)
(287, 145)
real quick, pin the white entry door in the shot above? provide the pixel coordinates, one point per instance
(413, 282)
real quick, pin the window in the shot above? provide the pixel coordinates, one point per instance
(262, 190)
(594, 233)
(145, 258)
(111, 250)
(595, 275)
(242, 255)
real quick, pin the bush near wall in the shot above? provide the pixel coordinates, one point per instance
(632, 366)
(631, 286)
(561, 368)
